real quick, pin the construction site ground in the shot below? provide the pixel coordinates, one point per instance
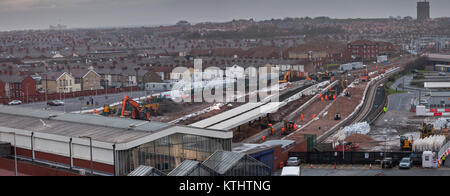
(343, 104)
(170, 110)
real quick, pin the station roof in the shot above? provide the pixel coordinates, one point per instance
(128, 133)
(438, 57)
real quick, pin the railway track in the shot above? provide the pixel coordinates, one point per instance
(363, 112)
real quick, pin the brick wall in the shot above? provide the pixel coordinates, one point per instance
(31, 169)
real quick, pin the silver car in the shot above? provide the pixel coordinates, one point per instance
(406, 163)
(293, 161)
(15, 102)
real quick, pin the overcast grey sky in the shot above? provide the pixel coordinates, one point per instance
(32, 14)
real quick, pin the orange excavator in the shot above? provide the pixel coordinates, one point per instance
(365, 76)
(137, 113)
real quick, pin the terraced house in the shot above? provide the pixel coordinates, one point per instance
(59, 82)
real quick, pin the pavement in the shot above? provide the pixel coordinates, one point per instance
(75, 104)
(375, 172)
(366, 170)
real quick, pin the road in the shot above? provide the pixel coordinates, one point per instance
(75, 104)
(401, 101)
(375, 172)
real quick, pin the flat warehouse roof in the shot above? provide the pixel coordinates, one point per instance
(127, 132)
(437, 84)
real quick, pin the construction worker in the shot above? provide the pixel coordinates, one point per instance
(443, 159)
(384, 109)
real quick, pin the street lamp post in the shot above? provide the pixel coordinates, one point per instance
(106, 92)
(90, 146)
(114, 157)
(15, 153)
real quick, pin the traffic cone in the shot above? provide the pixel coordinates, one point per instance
(334, 165)
(370, 166)
(311, 166)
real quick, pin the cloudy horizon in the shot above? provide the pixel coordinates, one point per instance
(39, 14)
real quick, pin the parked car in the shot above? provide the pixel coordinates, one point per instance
(423, 102)
(291, 171)
(387, 163)
(293, 161)
(55, 103)
(442, 73)
(406, 163)
(15, 102)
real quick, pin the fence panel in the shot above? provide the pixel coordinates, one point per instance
(354, 157)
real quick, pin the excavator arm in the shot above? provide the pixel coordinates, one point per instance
(133, 103)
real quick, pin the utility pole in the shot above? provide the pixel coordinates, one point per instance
(15, 153)
(46, 88)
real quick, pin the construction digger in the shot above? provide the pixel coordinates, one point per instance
(365, 77)
(138, 112)
(427, 130)
(289, 127)
(406, 143)
(287, 76)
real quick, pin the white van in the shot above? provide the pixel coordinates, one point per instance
(290, 171)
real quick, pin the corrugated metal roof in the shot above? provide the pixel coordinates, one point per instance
(222, 161)
(185, 168)
(143, 170)
(104, 129)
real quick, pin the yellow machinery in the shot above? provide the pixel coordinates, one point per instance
(406, 143)
(287, 76)
(153, 107)
(324, 75)
(427, 130)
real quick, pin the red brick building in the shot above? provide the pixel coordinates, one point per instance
(366, 50)
(17, 86)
